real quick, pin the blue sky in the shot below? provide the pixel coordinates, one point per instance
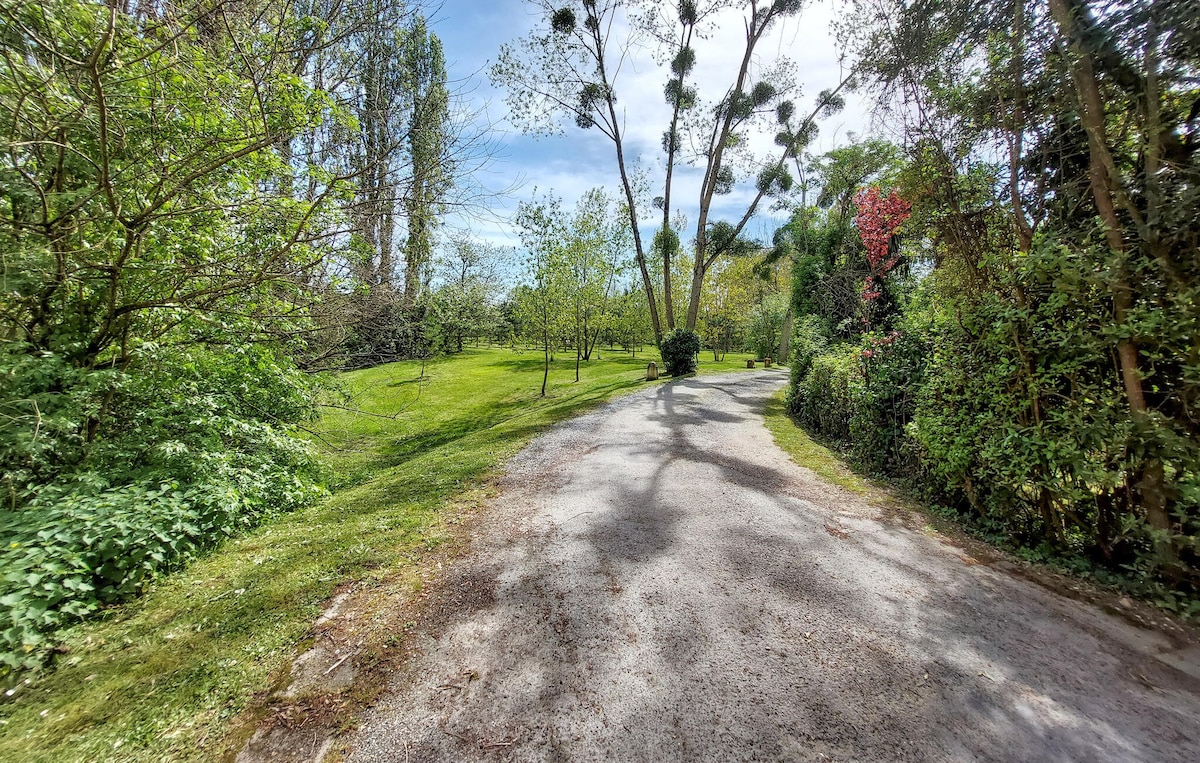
(567, 165)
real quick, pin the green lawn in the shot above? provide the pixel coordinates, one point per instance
(172, 676)
(806, 452)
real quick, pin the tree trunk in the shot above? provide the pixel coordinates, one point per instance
(545, 362)
(668, 293)
(627, 186)
(1150, 486)
(708, 186)
(785, 337)
(592, 345)
(698, 272)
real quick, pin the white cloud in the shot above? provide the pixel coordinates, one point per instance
(570, 164)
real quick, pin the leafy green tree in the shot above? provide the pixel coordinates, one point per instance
(629, 320)
(764, 324)
(574, 264)
(153, 253)
(828, 261)
(595, 252)
(732, 293)
(430, 147)
(1044, 367)
(121, 223)
(543, 302)
(465, 304)
(372, 63)
(404, 157)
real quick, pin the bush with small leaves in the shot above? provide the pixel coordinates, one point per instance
(679, 349)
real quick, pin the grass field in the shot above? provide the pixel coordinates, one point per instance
(174, 675)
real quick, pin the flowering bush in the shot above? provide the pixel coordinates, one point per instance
(879, 218)
(878, 344)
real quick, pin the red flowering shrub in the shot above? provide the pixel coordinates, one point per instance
(878, 343)
(878, 219)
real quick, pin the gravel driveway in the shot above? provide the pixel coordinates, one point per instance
(658, 581)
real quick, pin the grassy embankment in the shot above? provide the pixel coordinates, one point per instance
(808, 453)
(173, 675)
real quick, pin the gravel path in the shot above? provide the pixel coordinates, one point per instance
(658, 581)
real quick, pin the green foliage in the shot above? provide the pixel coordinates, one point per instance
(824, 399)
(1007, 410)
(680, 97)
(775, 180)
(666, 243)
(679, 349)
(893, 366)
(810, 338)
(573, 264)
(763, 93)
(792, 438)
(764, 325)
(151, 247)
(119, 222)
(628, 323)
(562, 21)
(725, 180)
(431, 149)
(1058, 406)
(197, 447)
(369, 328)
(1021, 420)
(457, 311)
(684, 61)
(464, 305)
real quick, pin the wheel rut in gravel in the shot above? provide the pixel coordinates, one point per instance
(663, 583)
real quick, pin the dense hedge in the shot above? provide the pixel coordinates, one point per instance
(1009, 414)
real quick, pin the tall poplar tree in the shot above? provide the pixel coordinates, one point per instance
(428, 144)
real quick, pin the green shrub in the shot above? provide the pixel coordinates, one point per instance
(1020, 422)
(1009, 410)
(892, 371)
(861, 396)
(135, 472)
(824, 400)
(679, 349)
(810, 338)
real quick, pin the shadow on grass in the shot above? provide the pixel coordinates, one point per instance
(561, 363)
(556, 407)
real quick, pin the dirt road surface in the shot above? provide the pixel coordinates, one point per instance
(658, 581)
